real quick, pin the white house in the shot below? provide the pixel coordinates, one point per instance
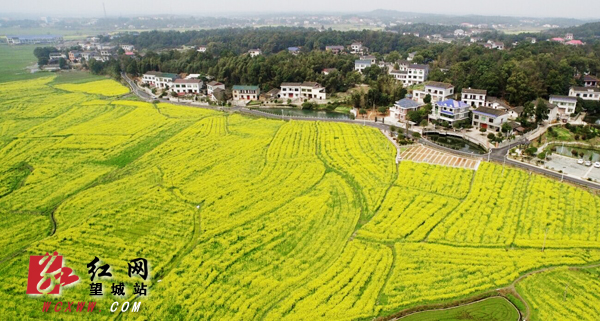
(411, 56)
(474, 97)
(590, 81)
(201, 49)
(450, 110)
(401, 108)
(585, 93)
(327, 71)
(159, 79)
(410, 74)
(305, 90)
(335, 49)
(356, 47)
(127, 47)
(360, 65)
(18, 40)
(373, 59)
(438, 90)
(489, 118)
(246, 92)
(187, 86)
(57, 56)
(566, 105)
(254, 52)
(496, 103)
(211, 86)
(459, 33)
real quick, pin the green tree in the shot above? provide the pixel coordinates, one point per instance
(541, 111)
(427, 99)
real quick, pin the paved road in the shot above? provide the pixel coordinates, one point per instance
(497, 154)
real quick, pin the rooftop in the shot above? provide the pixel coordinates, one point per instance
(474, 91)
(590, 78)
(489, 111)
(439, 84)
(586, 89)
(451, 103)
(563, 97)
(188, 81)
(242, 87)
(363, 62)
(407, 103)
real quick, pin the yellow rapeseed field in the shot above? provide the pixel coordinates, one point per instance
(244, 218)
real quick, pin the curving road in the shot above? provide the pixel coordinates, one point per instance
(497, 154)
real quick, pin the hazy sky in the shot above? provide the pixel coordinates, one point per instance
(535, 8)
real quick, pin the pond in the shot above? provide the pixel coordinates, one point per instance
(305, 113)
(587, 153)
(456, 143)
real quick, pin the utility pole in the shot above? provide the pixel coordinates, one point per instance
(565, 296)
(104, 7)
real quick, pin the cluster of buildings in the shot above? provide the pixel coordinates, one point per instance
(98, 51)
(568, 40)
(33, 40)
(403, 70)
(215, 91)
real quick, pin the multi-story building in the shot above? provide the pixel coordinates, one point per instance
(254, 52)
(489, 118)
(585, 93)
(356, 48)
(74, 56)
(402, 107)
(57, 56)
(187, 86)
(450, 110)
(590, 81)
(566, 105)
(246, 92)
(410, 74)
(127, 47)
(360, 65)
(159, 79)
(305, 90)
(211, 86)
(474, 97)
(437, 90)
(88, 55)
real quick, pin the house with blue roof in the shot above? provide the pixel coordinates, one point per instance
(294, 50)
(450, 110)
(401, 108)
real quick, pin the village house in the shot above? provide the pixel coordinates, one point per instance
(159, 79)
(201, 49)
(474, 97)
(514, 112)
(294, 50)
(566, 105)
(305, 90)
(410, 74)
(373, 59)
(360, 65)
(489, 118)
(74, 56)
(335, 49)
(187, 86)
(254, 52)
(241, 92)
(327, 71)
(217, 95)
(496, 103)
(56, 56)
(271, 94)
(450, 110)
(437, 90)
(357, 48)
(402, 107)
(553, 111)
(590, 81)
(212, 86)
(585, 93)
(88, 55)
(127, 47)
(411, 56)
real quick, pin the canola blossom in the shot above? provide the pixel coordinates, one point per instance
(246, 218)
